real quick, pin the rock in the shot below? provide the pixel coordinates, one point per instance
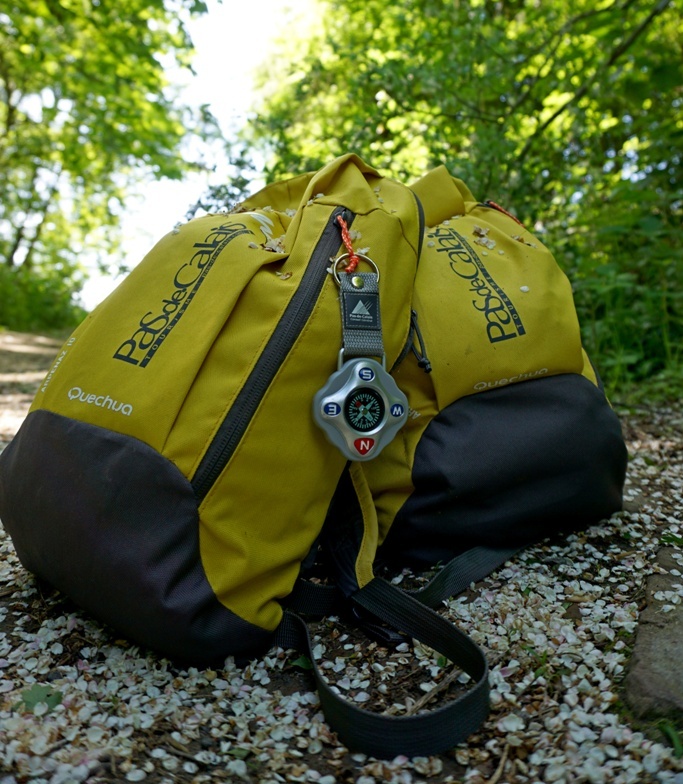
(634, 504)
(654, 683)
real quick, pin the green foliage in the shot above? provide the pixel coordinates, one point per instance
(672, 734)
(38, 302)
(86, 110)
(670, 538)
(569, 113)
(239, 752)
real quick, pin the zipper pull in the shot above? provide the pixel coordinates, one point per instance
(421, 355)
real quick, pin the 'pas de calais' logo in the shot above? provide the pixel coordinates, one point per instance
(153, 328)
(502, 319)
(101, 401)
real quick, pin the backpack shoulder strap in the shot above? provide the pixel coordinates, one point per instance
(460, 572)
(408, 611)
(385, 736)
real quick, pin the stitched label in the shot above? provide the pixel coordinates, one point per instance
(361, 311)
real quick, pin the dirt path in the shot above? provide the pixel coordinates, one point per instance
(24, 361)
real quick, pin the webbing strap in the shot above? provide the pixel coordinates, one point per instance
(454, 578)
(382, 735)
(439, 729)
(460, 572)
(309, 598)
(361, 318)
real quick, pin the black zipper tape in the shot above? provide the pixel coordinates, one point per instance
(422, 224)
(410, 342)
(278, 347)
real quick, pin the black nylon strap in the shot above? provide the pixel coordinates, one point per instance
(309, 598)
(428, 733)
(386, 736)
(441, 728)
(456, 576)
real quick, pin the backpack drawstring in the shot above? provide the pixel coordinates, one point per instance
(346, 239)
(421, 355)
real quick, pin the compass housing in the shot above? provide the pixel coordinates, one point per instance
(360, 408)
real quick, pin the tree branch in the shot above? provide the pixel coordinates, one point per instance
(45, 208)
(5, 77)
(33, 205)
(558, 35)
(12, 252)
(623, 47)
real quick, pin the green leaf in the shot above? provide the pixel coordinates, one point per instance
(303, 662)
(650, 224)
(670, 538)
(239, 753)
(40, 693)
(672, 734)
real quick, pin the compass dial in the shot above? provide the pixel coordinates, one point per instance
(364, 409)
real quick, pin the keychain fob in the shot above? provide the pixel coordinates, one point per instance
(360, 408)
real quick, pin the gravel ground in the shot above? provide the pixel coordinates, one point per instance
(557, 623)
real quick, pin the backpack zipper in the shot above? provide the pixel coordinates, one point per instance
(422, 224)
(280, 344)
(422, 359)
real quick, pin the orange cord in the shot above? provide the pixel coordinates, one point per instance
(346, 239)
(504, 211)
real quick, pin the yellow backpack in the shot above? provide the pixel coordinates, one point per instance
(227, 415)
(180, 469)
(510, 438)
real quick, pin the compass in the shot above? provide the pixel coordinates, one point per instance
(364, 409)
(360, 408)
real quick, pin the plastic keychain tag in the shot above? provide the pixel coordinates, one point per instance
(360, 408)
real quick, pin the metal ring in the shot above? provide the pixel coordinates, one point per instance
(346, 256)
